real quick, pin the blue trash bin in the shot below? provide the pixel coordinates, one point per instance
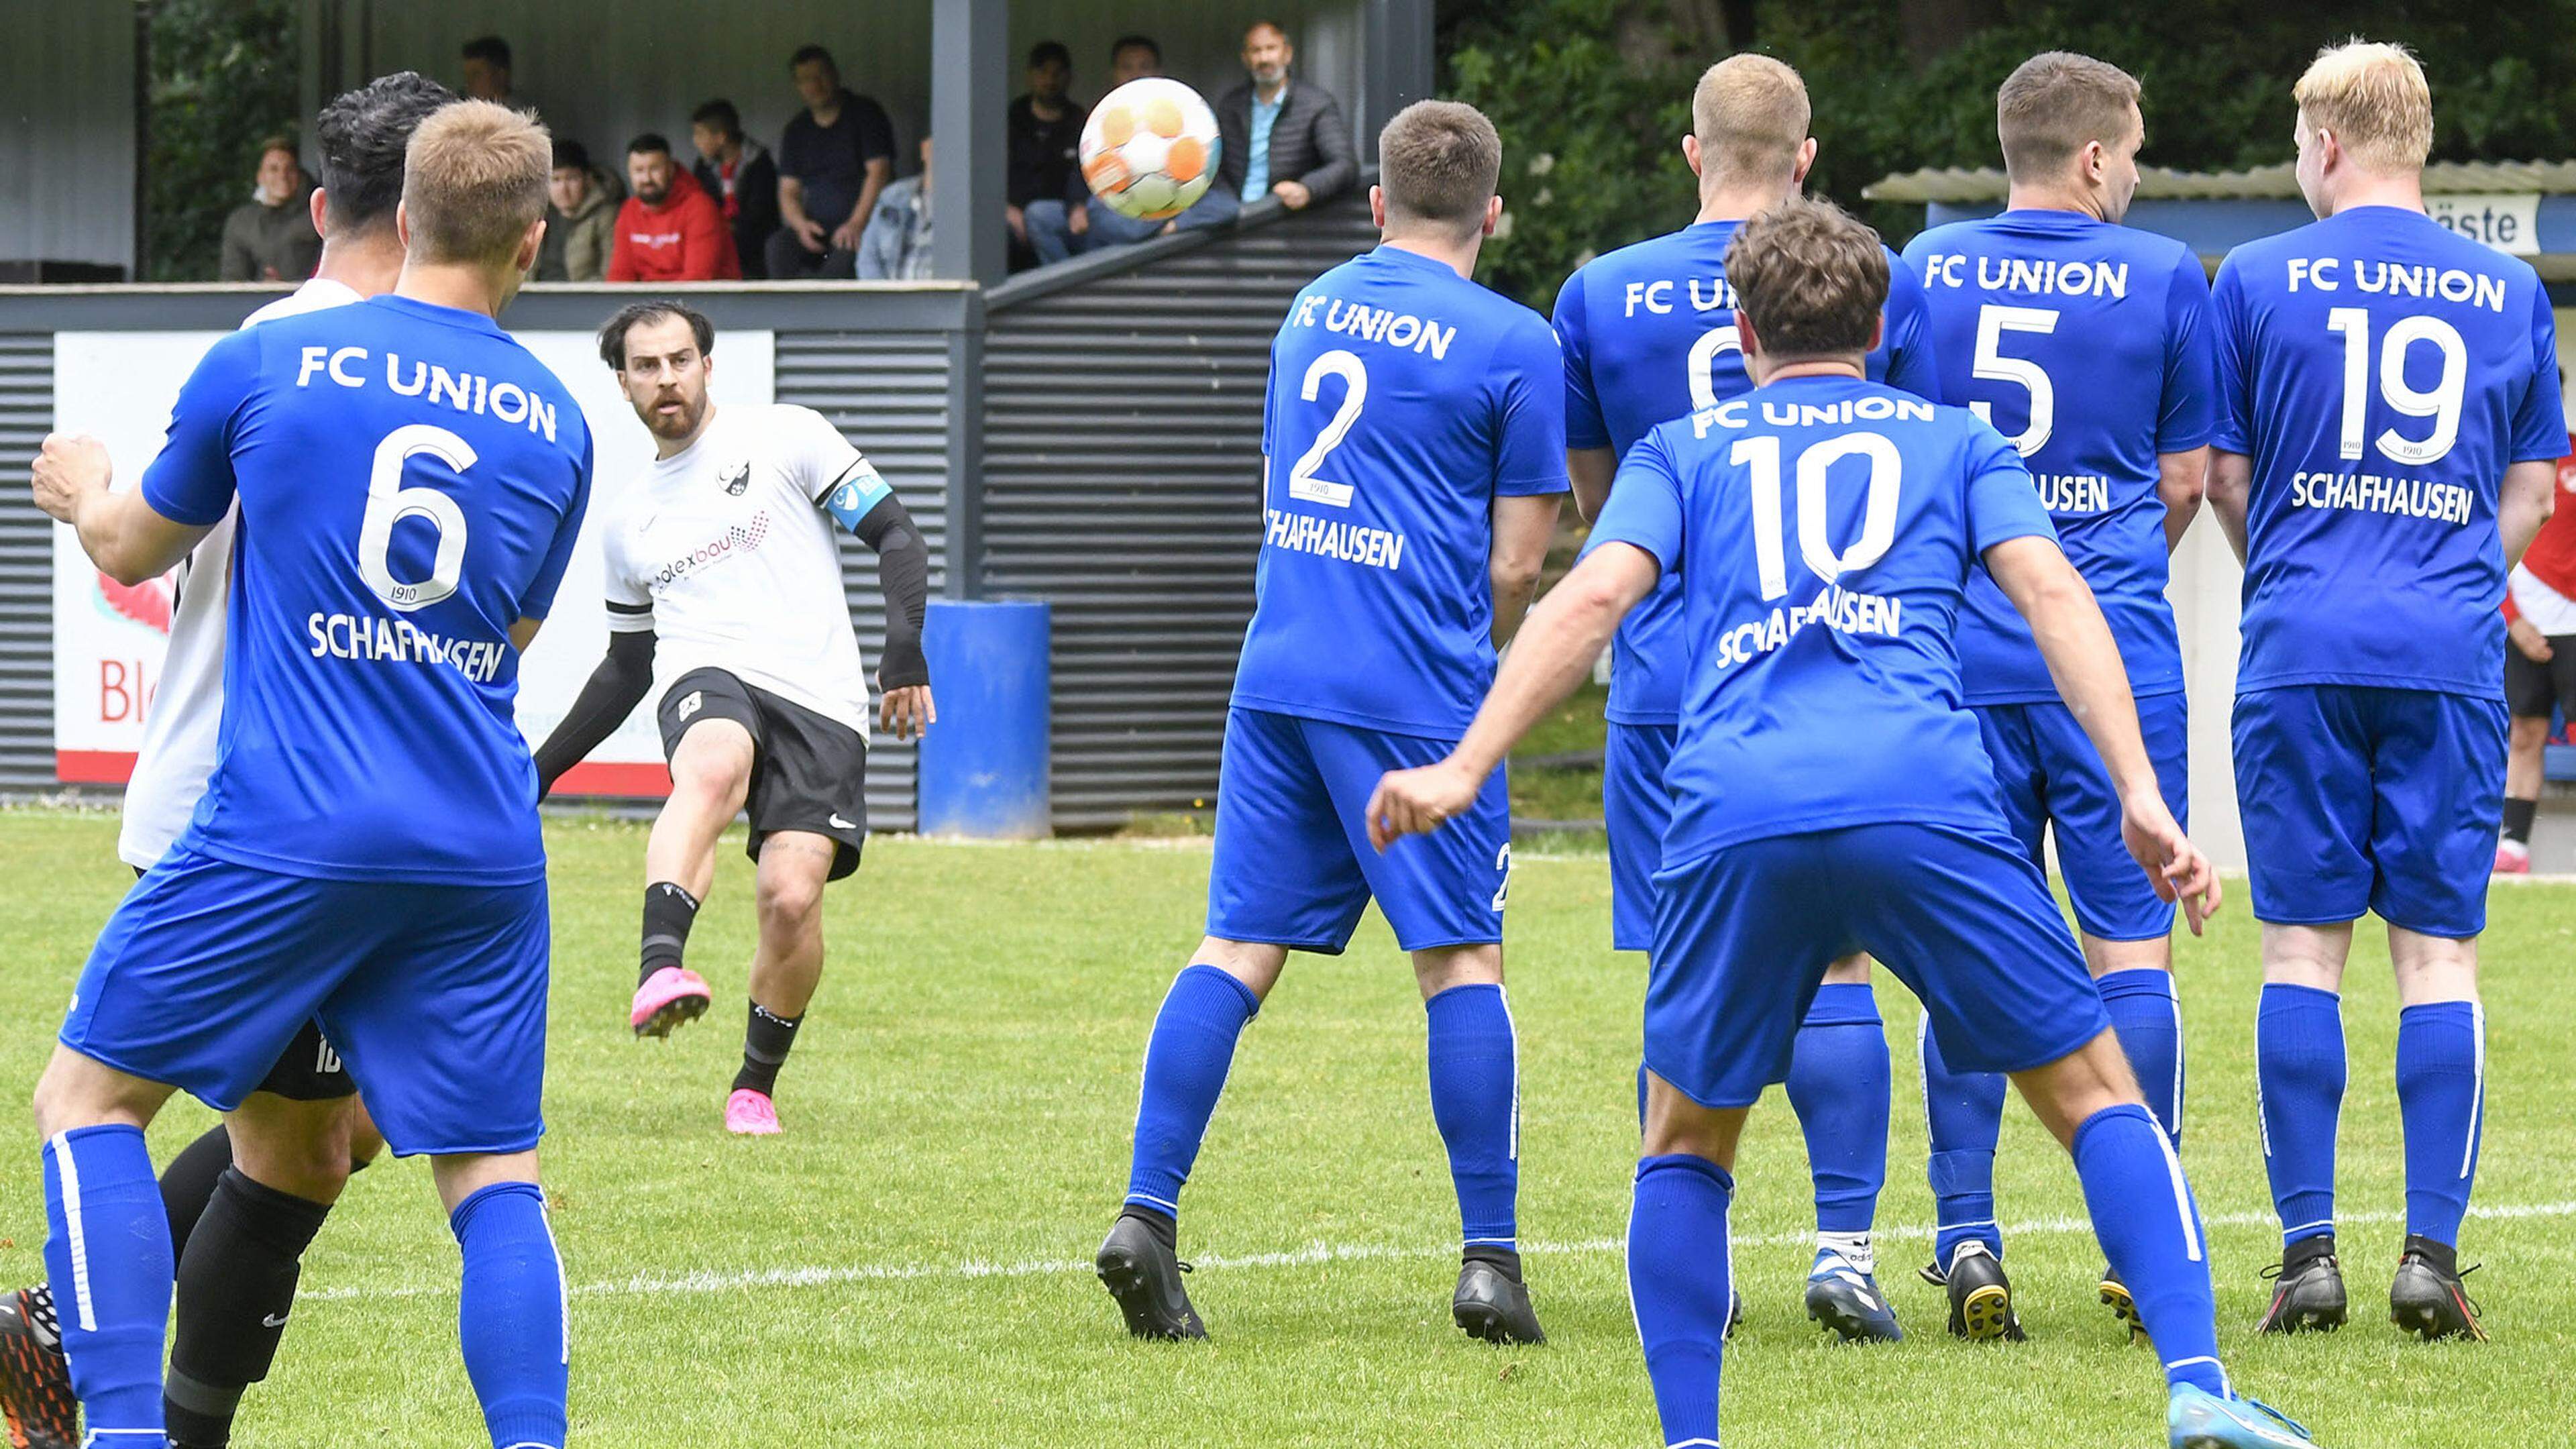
(984, 764)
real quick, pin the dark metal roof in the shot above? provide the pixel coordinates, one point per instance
(1956, 184)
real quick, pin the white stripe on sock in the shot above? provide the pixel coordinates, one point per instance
(2478, 1098)
(2174, 1117)
(2303, 1229)
(563, 1283)
(1512, 1030)
(2182, 1199)
(2225, 1391)
(83, 1311)
(2262, 1117)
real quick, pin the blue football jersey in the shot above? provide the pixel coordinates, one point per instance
(1822, 531)
(411, 481)
(2087, 346)
(2381, 371)
(1404, 399)
(1649, 334)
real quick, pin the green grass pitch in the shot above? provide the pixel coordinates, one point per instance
(909, 1265)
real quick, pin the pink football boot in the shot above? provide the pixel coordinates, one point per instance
(750, 1114)
(668, 997)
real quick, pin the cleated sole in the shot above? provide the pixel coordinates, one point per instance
(2116, 1297)
(1986, 1314)
(672, 1014)
(2426, 1322)
(1480, 1321)
(1846, 1324)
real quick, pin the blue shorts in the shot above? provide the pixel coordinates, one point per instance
(2052, 775)
(1743, 936)
(1293, 865)
(433, 995)
(2362, 799)
(1635, 808)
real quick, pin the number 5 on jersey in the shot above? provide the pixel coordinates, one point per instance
(1303, 485)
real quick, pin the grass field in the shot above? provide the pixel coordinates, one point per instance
(910, 1265)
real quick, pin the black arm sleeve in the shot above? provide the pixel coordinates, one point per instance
(903, 572)
(615, 688)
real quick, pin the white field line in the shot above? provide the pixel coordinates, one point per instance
(709, 1281)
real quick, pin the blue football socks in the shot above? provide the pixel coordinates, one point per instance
(1186, 1061)
(510, 1315)
(2150, 1231)
(1475, 1102)
(2441, 1094)
(2299, 1076)
(1679, 1266)
(107, 1257)
(1838, 1086)
(1964, 1112)
(2148, 1019)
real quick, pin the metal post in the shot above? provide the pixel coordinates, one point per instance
(1399, 64)
(969, 94)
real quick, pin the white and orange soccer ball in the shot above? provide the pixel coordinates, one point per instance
(1150, 148)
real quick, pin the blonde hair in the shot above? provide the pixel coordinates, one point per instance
(2056, 103)
(2374, 99)
(474, 179)
(1750, 114)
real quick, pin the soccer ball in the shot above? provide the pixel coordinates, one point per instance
(1150, 148)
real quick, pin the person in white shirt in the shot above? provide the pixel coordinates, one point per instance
(725, 603)
(241, 1210)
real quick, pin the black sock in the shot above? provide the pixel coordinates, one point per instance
(765, 1043)
(668, 913)
(188, 1183)
(2517, 818)
(236, 1285)
(1507, 1259)
(1165, 1230)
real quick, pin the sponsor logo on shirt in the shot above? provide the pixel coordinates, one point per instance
(736, 540)
(735, 478)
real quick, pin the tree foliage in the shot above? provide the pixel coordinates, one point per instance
(1592, 96)
(223, 79)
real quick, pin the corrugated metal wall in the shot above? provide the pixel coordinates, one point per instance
(1122, 457)
(67, 132)
(26, 567)
(887, 393)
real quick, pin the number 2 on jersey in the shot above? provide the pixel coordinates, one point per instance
(1302, 482)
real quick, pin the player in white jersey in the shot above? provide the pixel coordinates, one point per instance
(239, 1227)
(725, 603)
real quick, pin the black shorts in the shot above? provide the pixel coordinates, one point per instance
(808, 772)
(308, 1070)
(2532, 689)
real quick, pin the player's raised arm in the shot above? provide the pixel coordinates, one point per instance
(143, 532)
(2067, 625)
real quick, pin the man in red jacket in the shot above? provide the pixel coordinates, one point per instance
(2539, 664)
(668, 230)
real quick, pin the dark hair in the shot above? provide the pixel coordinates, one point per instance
(1047, 50)
(1129, 42)
(612, 338)
(648, 143)
(1810, 277)
(571, 155)
(362, 135)
(1439, 162)
(721, 115)
(279, 142)
(806, 54)
(491, 48)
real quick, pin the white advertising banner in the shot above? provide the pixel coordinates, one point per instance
(109, 639)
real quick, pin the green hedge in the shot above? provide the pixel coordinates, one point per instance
(223, 79)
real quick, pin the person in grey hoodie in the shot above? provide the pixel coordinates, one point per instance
(270, 238)
(581, 219)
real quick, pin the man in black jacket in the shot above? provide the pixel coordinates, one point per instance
(1282, 137)
(737, 173)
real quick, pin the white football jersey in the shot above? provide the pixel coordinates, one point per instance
(725, 553)
(181, 724)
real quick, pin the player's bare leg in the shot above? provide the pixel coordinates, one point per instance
(2441, 1097)
(710, 776)
(1186, 1062)
(2137, 982)
(2526, 756)
(794, 865)
(2299, 1082)
(1475, 1101)
(1838, 1086)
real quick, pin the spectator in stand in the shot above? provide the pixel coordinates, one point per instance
(1045, 129)
(1282, 137)
(270, 238)
(581, 220)
(836, 156)
(2539, 663)
(896, 245)
(487, 73)
(668, 231)
(1060, 229)
(737, 172)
